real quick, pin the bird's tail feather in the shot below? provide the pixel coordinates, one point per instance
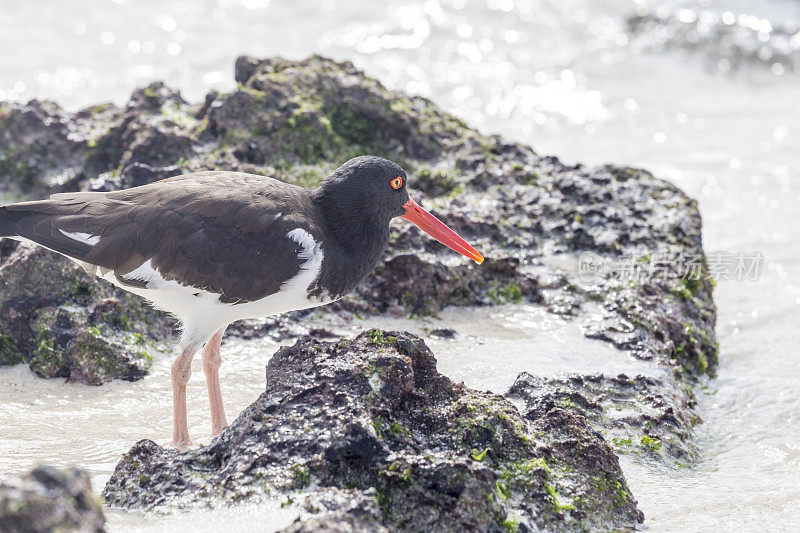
(35, 221)
(8, 222)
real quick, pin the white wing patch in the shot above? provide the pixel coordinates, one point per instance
(310, 250)
(295, 290)
(152, 278)
(86, 238)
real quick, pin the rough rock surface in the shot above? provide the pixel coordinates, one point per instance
(63, 322)
(635, 415)
(368, 431)
(48, 499)
(280, 327)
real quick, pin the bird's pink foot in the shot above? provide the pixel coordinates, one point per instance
(216, 429)
(181, 445)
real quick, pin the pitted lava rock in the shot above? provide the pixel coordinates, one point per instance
(372, 418)
(62, 322)
(49, 499)
(640, 415)
(526, 212)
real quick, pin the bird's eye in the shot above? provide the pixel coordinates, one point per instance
(396, 183)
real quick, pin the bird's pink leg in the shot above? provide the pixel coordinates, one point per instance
(211, 363)
(181, 372)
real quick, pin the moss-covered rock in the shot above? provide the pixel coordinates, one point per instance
(297, 121)
(39, 148)
(374, 417)
(650, 418)
(63, 322)
(48, 499)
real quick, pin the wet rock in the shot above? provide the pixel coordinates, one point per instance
(334, 107)
(39, 149)
(667, 318)
(366, 434)
(641, 415)
(278, 328)
(62, 322)
(339, 511)
(422, 284)
(7, 247)
(49, 499)
(529, 214)
(444, 333)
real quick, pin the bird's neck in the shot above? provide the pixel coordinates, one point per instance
(354, 243)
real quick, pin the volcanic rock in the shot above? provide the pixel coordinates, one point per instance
(48, 499)
(366, 433)
(62, 322)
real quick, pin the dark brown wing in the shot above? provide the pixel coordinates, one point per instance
(223, 232)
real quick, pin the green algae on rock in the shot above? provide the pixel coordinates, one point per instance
(643, 416)
(63, 322)
(39, 147)
(373, 417)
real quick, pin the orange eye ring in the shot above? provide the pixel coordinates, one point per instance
(396, 183)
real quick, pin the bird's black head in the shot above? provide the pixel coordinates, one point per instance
(370, 188)
(361, 197)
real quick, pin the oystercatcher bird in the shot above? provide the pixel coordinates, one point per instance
(215, 247)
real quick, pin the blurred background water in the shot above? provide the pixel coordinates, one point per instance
(703, 93)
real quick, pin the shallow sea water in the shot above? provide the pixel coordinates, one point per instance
(570, 78)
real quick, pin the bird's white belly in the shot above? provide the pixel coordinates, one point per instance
(186, 301)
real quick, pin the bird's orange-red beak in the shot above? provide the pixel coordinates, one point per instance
(439, 231)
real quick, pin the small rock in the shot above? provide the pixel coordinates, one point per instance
(49, 499)
(444, 333)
